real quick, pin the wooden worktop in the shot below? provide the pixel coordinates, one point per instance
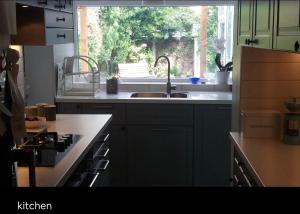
(272, 162)
(90, 127)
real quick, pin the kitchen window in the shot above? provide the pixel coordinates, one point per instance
(126, 37)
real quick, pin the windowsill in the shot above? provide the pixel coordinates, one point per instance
(85, 89)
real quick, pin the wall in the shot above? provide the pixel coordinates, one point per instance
(266, 79)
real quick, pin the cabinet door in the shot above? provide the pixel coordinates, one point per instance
(212, 146)
(119, 158)
(67, 5)
(160, 156)
(263, 23)
(287, 32)
(245, 10)
(68, 108)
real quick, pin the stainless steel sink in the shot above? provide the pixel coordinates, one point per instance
(159, 95)
(180, 95)
(148, 94)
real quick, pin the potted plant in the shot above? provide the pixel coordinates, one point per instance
(112, 80)
(222, 75)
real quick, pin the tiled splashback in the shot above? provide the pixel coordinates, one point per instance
(268, 78)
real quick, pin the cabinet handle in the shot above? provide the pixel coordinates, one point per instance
(249, 41)
(223, 108)
(94, 179)
(60, 19)
(104, 153)
(102, 107)
(160, 130)
(296, 46)
(60, 6)
(43, 2)
(61, 35)
(106, 162)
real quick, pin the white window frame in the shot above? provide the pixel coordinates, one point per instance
(156, 3)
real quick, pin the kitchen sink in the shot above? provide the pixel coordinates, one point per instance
(148, 94)
(159, 95)
(180, 95)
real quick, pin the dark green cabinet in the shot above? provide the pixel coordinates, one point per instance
(119, 155)
(287, 25)
(255, 23)
(165, 145)
(160, 156)
(212, 146)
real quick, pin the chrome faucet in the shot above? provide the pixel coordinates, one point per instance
(169, 86)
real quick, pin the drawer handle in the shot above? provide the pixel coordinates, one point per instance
(102, 107)
(60, 6)
(223, 108)
(44, 2)
(60, 19)
(106, 162)
(94, 179)
(160, 130)
(105, 151)
(296, 46)
(61, 35)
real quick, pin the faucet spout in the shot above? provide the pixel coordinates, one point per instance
(169, 86)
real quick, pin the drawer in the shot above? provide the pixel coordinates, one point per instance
(59, 36)
(117, 110)
(58, 19)
(160, 114)
(68, 108)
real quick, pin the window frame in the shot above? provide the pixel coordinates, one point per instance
(137, 3)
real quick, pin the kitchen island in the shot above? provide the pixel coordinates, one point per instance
(90, 127)
(270, 162)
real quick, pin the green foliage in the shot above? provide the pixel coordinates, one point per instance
(212, 33)
(126, 28)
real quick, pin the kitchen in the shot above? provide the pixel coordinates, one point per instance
(102, 108)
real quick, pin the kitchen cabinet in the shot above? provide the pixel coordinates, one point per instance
(94, 169)
(212, 145)
(241, 177)
(45, 27)
(69, 108)
(287, 25)
(59, 5)
(255, 23)
(166, 144)
(118, 132)
(159, 155)
(160, 144)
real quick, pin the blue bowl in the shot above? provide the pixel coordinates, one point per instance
(194, 80)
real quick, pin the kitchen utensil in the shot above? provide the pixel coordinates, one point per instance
(50, 112)
(41, 110)
(31, 111)
(292, 106)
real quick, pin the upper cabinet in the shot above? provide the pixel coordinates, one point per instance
(287, 25)
(60, 5)
(44, 23)
(255, 23)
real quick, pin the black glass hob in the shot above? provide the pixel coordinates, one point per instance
(49, 147)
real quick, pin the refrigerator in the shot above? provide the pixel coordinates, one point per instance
(41, 71)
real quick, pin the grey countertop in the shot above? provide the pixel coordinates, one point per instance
(88, 126)
(196, 97)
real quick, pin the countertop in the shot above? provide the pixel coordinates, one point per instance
(196, 97)
(273, 163)
(89, 126)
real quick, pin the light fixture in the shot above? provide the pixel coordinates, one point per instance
(25, 6)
